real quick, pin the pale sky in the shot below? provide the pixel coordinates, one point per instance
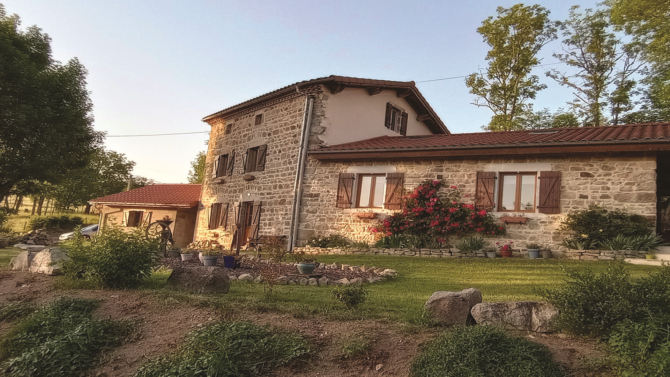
(160, 66)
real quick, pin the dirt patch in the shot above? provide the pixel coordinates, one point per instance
(162, 324)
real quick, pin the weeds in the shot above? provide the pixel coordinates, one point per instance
(354, 346)
(351, 295)
(15, 310)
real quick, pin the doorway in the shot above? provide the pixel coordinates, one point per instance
(247, 219)
(663, 195)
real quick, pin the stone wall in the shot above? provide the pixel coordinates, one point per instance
(280, 130)
(626, 182)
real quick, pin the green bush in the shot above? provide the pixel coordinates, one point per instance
(593, 303)
(471, 243)
(596, 225)
(334, 241)
(61, 339)
(59, 222)
(354, 346)
(4, 216)
(15, 310)
(114, 259)
(642, 349)
(390, 242)
(351, 295)
(479, 351)
(228, 349)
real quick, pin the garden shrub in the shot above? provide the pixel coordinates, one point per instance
(351, 295)
(332, 241)
(642, 348)
(596, 225)
(58, 222)
(390, 242)
(61, 339)
(471, 243)
(593, 303)
(228, 349)
(433, 216)
(484, 351)
(15, 310)
(355, 345)
(113, 259)
(276, 248)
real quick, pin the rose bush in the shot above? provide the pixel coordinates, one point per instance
(427, 211)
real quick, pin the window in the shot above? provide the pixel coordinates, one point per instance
(396, 119)
(134, 218)
(371, 190)
(229, 129)
(517, 192)
(221, 166)
(259, 119)
(252, 154)
(255, 159)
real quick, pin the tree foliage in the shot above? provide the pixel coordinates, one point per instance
(197, 172)
(45, 111)
(516, 35)
(605, 67)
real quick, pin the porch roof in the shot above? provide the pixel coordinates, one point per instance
(159, 195)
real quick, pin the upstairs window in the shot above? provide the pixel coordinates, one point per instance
(517, 192)
(220, 166)
(255, 159)
(396, 119)
(229, 129)
(259, 119)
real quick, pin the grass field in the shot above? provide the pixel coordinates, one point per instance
(7, 254)
(20, 223)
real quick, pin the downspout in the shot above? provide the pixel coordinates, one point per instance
(297, 187)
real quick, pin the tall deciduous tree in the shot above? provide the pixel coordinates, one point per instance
(604, 64)
(516, 35)
(197, 172)
(45, 111)
(647, 22)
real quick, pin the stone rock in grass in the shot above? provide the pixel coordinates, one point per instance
(323, 281)
(303, 281)
(291, 282)
(452, 308)
(48, 261)
(282, 280)
(390, 273)
(537, 316)
(259, 279)
(356, 281)
(343, 281)
(245, 277)
(232, 277)
(345, 267)
(22, 261)
(200, 279)
(313, 281)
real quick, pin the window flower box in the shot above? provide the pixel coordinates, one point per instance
(514, 220)
(248, 177)
(365, 215)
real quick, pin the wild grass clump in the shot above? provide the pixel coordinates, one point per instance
(58, 222)
(593, 303)
(484, 351)
(228, 349)
(60, 339)
(351, 295)
(641, 348)
(113, 259)
(354, 346)
(15, 310)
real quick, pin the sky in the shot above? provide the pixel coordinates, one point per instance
(158, 67)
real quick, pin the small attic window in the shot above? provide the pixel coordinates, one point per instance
(543, 132)
(229, 129)
(259, 119)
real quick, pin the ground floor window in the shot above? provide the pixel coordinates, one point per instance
(517, 192)
(371, 190)
(134, 218)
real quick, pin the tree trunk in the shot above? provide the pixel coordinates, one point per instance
(39, 206)
(88, 209)
(34, 205)
(18, 203)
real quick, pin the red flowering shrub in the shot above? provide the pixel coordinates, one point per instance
(426, 212)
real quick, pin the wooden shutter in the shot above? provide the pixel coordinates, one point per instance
(138, 218)
(403, 125)
(255, 220)
(236, 216)
(550, 192)
(394, 185)
(224, 216)
(344, 190)
(260, 157)
(389, 113)
(125, 218)
(147, 219)
(484, 199)
(214, 215)
(230, 163)
(215, 167)
(244, 160)
(221, 165)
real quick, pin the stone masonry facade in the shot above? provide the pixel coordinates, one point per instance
(625, 182)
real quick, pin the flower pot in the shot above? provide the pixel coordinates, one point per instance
(546, 254)
(208, 260)
(490, 254)
(228, 261)
(185, 257)
(306, 268)
(650, 256)
(200, 257)
(173, 254)
(506, 253)
(533, 253)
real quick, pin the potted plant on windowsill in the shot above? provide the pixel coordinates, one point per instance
(306, 263)
(533, 250)
(208, 257)
(505, 249)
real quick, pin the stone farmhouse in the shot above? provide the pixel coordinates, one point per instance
(334, 154)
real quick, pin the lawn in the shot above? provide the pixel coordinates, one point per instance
(7, 254)
(20, 223)
(402, 299)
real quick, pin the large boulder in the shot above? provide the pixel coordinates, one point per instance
(200, 279)
(535, 316)
(34, 248)
(22, 261)
(452, 308)
(48, 261)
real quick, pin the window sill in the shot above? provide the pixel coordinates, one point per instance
(513, 220)
(365, 215)
(248, 177)
(218, 180)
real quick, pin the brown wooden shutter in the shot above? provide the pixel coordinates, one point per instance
(236, 216)
(255, 221)
(138, 219)
(224, 216)
(221, 165)
(389, 112)
(484, 199)
(147, 219)
(394, 185)
(403, 125)
(260, 157)
(215, 168)
(244, 160)
(214, 215)
(231, 163)
(126, 215)
(550, 192)
(345, 188)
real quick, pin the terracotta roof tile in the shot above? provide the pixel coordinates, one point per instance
(659, 132)
(181, 195)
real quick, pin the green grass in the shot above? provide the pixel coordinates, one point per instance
(7, 254)
(21, 223)
(402, 298)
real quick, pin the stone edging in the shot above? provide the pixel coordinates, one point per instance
(382, 274)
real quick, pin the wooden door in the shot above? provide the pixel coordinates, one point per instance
(247, 220)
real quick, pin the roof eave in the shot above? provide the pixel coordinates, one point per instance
(170, 205)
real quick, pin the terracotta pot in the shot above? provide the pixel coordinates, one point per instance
(506, 253)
